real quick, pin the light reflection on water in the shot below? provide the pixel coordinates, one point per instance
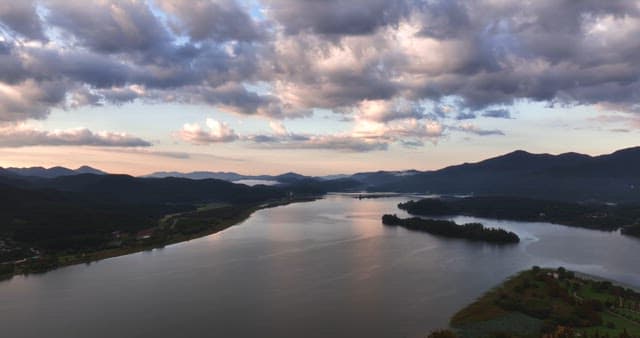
(317, 269)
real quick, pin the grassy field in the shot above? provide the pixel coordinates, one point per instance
(551, 303)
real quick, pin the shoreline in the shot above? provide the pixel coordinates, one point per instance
(90, 257)
(604, 279)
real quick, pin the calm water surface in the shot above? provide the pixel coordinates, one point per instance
(317, 269)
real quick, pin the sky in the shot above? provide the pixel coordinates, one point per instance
(316, 87)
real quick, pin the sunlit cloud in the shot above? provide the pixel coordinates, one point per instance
(215, 132)
(12, 136)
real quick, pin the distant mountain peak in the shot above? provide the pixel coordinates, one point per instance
(519, 152)
(85, 169)
(631, 150)
(290, 174)
(54, 172)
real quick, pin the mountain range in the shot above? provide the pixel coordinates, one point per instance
(613, 177)
(52, 172)
(235, 177)
(569, 176)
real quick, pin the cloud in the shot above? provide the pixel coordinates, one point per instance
(366, 135)
(483, 53)
(29, 99)
(384, 110)
(337, 142)
(278, 128)
(406, 64)
(497, 113)
(219, 20)
(22, 18)
(627, 120)
(472, 129)
(335, 17)
(398, 130)
(340, 143)
(12, 136)
(465, 116)
(178, 155)
(108, 26)
(218, 132)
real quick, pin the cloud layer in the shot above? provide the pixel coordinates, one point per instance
(399, 68)
(23, 136)
(366, 135)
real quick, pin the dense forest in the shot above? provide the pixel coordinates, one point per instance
(471, 231)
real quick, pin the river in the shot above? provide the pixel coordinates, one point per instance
(316, 269)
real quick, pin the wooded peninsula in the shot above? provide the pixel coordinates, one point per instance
(470, 231)
(608, 217)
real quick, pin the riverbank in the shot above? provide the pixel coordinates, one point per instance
(171, 229)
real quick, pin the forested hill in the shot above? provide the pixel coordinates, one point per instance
(571, 176)
(129, 189)
(53, 221)
(69, 209)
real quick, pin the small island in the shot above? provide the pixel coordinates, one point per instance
(471, 231)
(550, 303)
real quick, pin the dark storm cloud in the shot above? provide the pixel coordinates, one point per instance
(108, 26)
(497, 113)
(22, 18)
(219, 20)
(444, 19)
(336, 17)
(11, 69)
(465, 116)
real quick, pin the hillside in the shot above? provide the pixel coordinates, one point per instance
(49, 222)
(613, 177)
(551, 303)
(53, 171)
